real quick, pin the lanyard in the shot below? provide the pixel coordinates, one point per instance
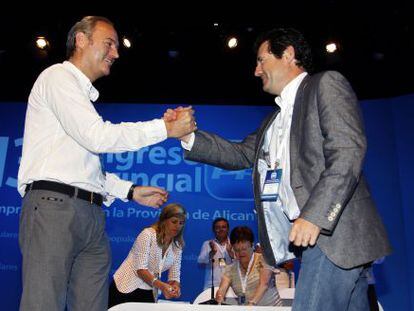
(162, 261)
(156, 291)
(222, 248)
(276, 139)
(244, 279)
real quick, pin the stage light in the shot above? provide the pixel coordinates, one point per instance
(331, 47)
(42, 43)
(232, 42)
(126, 42)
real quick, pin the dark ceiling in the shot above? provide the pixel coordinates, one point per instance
(376, 48)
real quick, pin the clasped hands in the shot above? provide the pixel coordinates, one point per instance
(171, 289)
(179, 122)
(213, 248)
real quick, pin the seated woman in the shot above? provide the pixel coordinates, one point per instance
(157, 248)
(250, 277)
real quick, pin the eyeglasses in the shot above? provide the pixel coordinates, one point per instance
(242, 249)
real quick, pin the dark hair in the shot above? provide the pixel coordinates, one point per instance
(85, 25)
(241, 234)
(220, 219)
(281, 38)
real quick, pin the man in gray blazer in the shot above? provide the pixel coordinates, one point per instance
(314, 143)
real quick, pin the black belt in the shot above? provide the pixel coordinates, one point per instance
(91, 197)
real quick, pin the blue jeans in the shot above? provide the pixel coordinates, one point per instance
(325, 286)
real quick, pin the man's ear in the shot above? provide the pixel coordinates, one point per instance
(81, 40)
(289, 54)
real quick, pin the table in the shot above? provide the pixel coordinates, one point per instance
(176, 306)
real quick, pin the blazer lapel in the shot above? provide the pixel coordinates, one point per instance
(297, 124)
(261, 133)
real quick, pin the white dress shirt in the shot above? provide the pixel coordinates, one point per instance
(147, 254)
(64, 135)
(277, 143)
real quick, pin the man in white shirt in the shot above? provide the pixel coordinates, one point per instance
(216, 254)
(307, 159)
(66, 254)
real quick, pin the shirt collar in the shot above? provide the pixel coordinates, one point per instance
(86, 84)
(288, 94)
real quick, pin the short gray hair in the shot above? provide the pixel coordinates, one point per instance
(85, 25)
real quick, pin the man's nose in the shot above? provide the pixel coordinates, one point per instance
(115, 53)
(258, 70)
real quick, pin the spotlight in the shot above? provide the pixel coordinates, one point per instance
(42, 43)
(331, 47)
(126, 42)
(232, 42)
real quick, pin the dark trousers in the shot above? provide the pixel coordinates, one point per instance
(138, 295)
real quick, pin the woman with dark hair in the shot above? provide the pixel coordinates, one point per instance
(250, 277)
(157, 248)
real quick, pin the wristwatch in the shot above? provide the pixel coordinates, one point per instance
(131, 192)
(153, 281)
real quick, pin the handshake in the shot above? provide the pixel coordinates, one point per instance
(180, 122)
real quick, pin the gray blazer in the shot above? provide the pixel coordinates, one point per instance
(327, 149)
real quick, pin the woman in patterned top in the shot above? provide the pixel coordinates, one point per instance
(250, 277)
(157, 248)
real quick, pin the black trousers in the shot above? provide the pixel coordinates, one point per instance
(138, 295)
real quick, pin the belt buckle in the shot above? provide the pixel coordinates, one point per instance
(91, 200)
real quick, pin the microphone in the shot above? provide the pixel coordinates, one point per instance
(213, 251)
(211, 254)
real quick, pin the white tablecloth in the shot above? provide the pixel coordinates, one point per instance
(138, 306)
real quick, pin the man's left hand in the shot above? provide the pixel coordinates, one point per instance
(304, 233)
(150, 196)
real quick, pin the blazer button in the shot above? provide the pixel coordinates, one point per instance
(330, 218)
(333, 214)
(337, 205)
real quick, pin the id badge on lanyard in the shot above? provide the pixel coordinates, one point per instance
(270, 191)
(273, 174)
(222, 262)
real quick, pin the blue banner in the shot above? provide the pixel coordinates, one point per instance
(208, 192)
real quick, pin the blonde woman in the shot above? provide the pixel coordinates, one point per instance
(157, 249)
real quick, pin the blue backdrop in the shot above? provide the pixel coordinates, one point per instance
(209, 192)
